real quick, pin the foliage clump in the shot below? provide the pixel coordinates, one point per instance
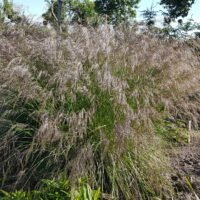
(52, 190)
(90, 107)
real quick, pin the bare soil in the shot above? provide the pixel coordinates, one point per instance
(186, 162)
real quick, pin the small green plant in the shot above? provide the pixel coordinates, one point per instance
(84, 192)
(79, 103)
(172, 132)
(18, 195)
(55, 190)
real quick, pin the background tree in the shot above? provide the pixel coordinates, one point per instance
(73, 11)
(177, 8)
(50, 16)
(83, 12)
(149, 16)
(116, 11)
(7, 10)
(1, 13)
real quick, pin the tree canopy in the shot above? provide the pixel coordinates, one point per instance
(82, 12)
(87, 11)
(50, 16)
(177, 8)
(73, 11)
(116, 11)
(7, 10)
(112, 11)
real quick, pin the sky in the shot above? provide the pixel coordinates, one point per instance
(37, 7)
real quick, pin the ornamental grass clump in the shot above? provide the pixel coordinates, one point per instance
(90, 106)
